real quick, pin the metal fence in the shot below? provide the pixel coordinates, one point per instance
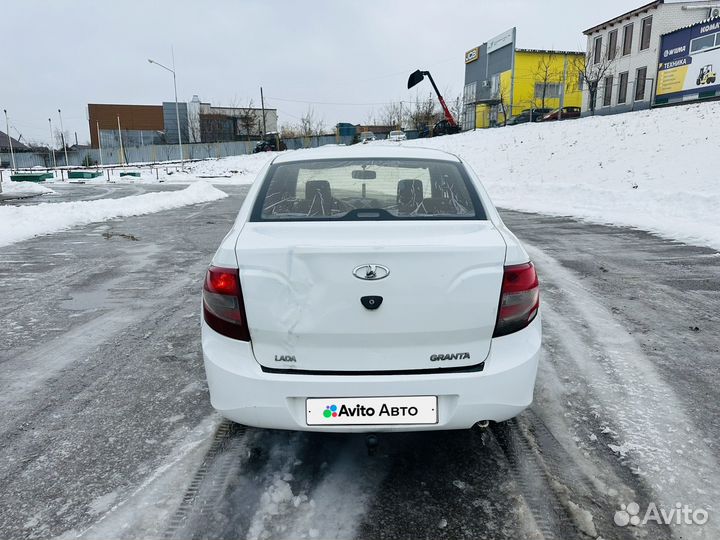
(158, 153)
(132, 154)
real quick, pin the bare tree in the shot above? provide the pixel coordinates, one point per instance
(61, 138)
(393, 114)
(248, 119)
(503, 97)
(424, 112)
(456, 107)
(289, 131)
(592, 70)
(310, 125)
(545, 75)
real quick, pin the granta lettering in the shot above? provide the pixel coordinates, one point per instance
(450, 356)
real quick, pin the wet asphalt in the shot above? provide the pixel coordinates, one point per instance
(103, 387)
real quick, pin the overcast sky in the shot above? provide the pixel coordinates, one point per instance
(349, 57)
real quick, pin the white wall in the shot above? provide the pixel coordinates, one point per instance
(666, 18)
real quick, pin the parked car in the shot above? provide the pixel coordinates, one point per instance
(443, 127)
(366, 137)
(397, 136)
(271, 143)
(567, 114)
(308, 323)
(528, 115)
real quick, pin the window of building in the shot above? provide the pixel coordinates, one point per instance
(469, 92)
(495, 86)
(550, 90)
(612, 45)
(607, 91)
(597, 55)
(627, 39)
(645, 33)
(622, 90)
(640, 77)
(703, 43)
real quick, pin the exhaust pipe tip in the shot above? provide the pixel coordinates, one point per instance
(482, 424)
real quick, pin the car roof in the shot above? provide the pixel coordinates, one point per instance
(378, 151)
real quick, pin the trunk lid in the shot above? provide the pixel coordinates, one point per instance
(303, 302)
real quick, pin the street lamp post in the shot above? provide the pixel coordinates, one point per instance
(62, 138)
(99, 144)
(177, 110)
(51, 144)
(12, 153)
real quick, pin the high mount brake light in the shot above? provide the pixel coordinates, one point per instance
(223, 307)
(519, 299)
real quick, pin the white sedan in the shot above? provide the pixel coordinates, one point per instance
(397, 136)
(369, 289)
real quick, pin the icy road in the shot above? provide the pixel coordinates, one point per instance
(106, 429)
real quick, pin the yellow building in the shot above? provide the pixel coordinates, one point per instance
(537, 79)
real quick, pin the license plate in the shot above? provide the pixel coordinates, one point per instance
(401, 410)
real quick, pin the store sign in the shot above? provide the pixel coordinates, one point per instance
(689, 61)
(472, 55)
(498, 42)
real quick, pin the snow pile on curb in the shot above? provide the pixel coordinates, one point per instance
(229, 170)
(651, 170)
(22, 222)
(22, 188)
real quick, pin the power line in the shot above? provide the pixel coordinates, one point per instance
(338, 103)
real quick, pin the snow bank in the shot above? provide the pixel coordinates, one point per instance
(22, 222)
(25, 188)
(650, 170)
(230, 170)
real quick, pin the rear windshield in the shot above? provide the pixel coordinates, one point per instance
(373, 189)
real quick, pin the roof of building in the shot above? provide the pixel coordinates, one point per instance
(648, 7)
(17, 145)
(704, 21)
(549, 51)
(632, 13)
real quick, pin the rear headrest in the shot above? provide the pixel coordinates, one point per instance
(314, 188)
(317, 193)
(409, 195)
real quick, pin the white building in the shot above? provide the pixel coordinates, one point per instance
(629, 44)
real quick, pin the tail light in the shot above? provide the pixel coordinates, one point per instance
(223, 307)
(519, 299)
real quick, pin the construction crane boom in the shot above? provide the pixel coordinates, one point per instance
(416, 77)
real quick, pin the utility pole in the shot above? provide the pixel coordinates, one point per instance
(177, 109)
(562, 90)
(51, 144)
(122, 151)
(99, 143)
(262, 104)
(12, 153)
(62, 137)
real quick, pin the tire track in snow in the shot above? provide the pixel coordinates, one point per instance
(655, 437)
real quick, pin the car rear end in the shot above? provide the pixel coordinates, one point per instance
(370, 294)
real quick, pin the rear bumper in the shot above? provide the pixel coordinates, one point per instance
(242, 392)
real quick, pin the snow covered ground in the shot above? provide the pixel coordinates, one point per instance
(25, 188)
(646, 170)
(650, 170)
(229, 170)
(22, 222)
